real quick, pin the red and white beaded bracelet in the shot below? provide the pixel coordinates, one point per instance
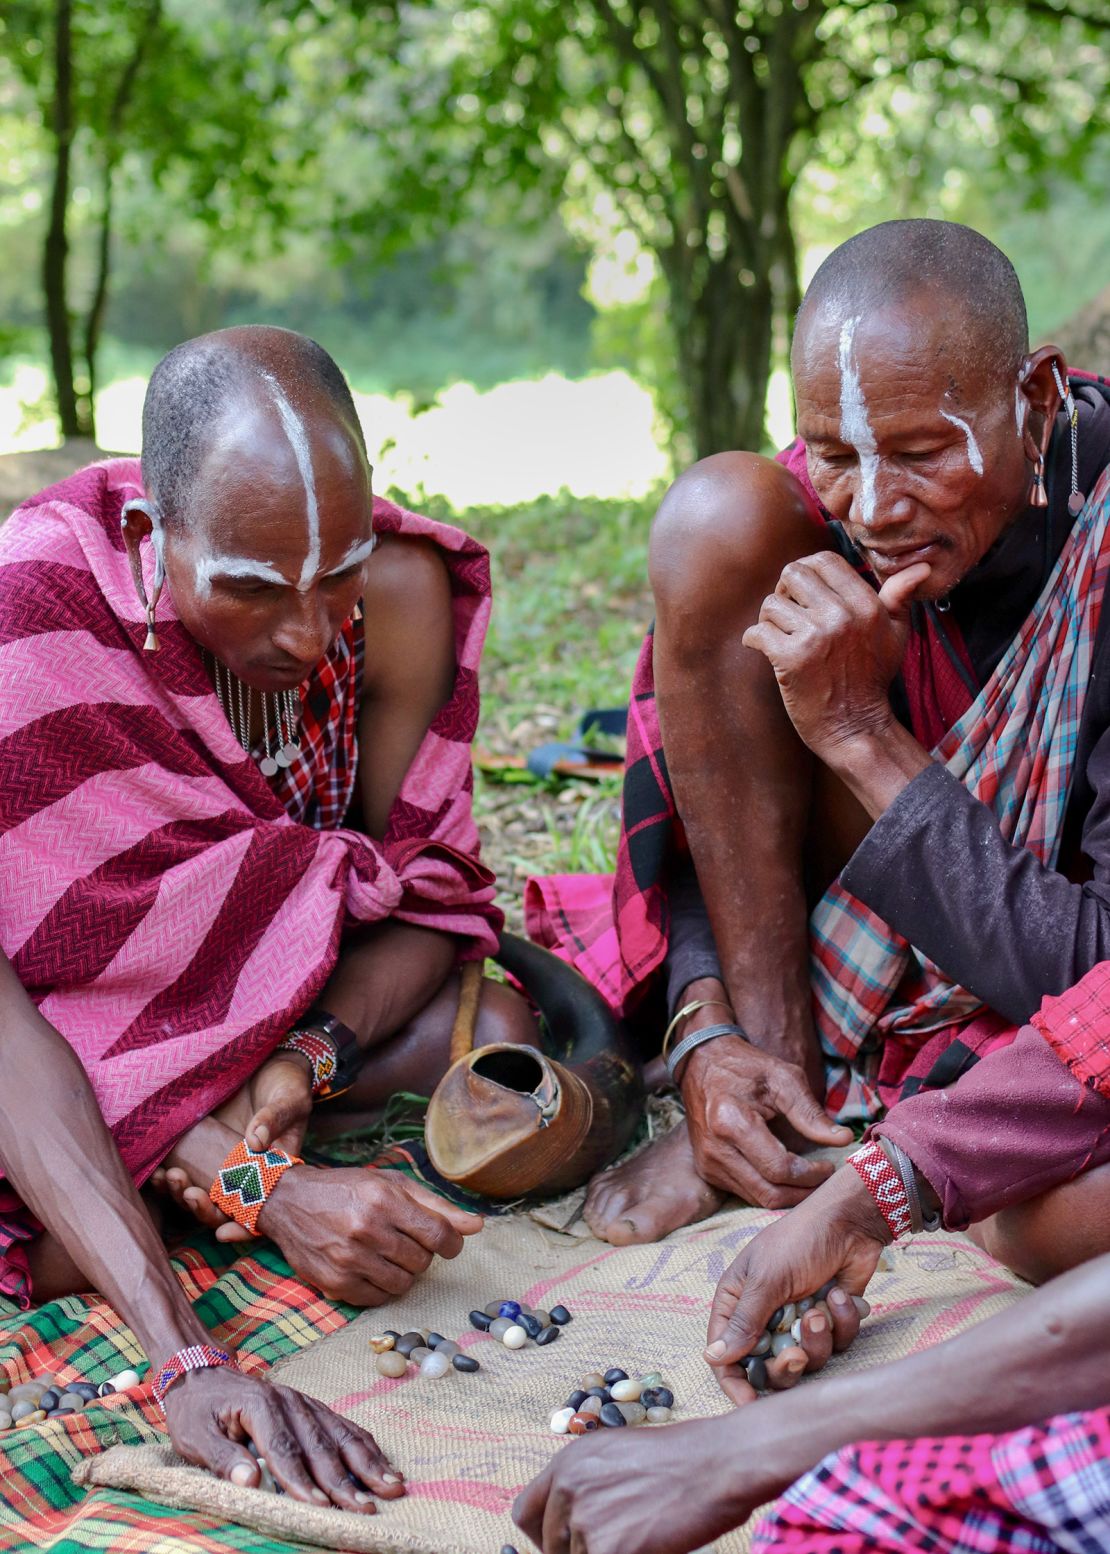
(197, 1357)
(321, 1054)
(885, 1185)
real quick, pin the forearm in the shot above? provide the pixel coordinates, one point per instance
(385, 979)
(991, 915)
(1014, 1126)
(59, 1154)
(968, 1385)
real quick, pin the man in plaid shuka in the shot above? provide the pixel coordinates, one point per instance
(864, 827)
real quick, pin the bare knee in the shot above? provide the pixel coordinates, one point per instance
(722, 535)
(504, 1015)
(1053, 1233)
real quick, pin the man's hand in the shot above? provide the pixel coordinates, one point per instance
(272, 1108)
(360, 1236)
(312, 1453)
(835, 645)
(837, 1234)
(630, 1489)
(732, 1092)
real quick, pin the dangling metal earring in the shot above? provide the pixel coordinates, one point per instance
(1039, 496)
(1076, 500)
(157, 540)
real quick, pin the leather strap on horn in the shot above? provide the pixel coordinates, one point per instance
(466, 1016)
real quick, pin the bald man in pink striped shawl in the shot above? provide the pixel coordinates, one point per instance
(237, 694)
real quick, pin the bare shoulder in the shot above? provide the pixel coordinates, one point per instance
(731, 514)
(407, 609)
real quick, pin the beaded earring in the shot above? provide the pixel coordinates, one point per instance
(157, 540)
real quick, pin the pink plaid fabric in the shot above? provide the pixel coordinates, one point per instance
(1076, 1026)
(1041, 1490)
(1014, 749)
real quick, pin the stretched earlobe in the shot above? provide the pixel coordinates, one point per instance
(158, 541)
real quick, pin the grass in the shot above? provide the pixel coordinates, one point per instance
(571, 604)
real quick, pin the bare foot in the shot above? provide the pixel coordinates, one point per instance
(657, 1191)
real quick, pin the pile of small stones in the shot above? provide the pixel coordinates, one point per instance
(785, 1329)
(614, 1399)
(32, 1402)
(514, 1322)
(429, 1351)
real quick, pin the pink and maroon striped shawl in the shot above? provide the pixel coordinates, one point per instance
(159, 904)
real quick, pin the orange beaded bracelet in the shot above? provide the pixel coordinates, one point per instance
(246, 1179)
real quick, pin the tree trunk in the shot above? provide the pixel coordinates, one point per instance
(724, 331)
(55, 249)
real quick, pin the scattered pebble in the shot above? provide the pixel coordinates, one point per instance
(612, 1416)
(513, 1337)
(392, 1363)
(581, 1423)
(559, 1315)
(617, 1400)
(435, 1365)
(465, 1362)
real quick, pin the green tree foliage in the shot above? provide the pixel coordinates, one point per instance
(128, 90)
(699, 116)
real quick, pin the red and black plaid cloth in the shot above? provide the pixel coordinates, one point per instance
(317, 788)
(1041, 1490)
(1076, 1026)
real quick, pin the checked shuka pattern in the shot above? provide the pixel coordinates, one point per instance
(1041, 1490)
(161, 906)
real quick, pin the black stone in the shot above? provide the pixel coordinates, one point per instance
(479, 1320)
(616, 1374)
(408, 1342)
(775, 1318)
(49, 1400)
(612, 1416)
(531, 1325)
(575, 1400)
(664, 1397)
(253, 1449)
(507, 1548)
(757, 1373)
(83, 1390)
(823, 1292)
(548, 1335)
(105, 1389)
(60, 1413)
(650, 1398)
(465, 1362)
(600, 1392)
(434, 1340)
(559, 1315)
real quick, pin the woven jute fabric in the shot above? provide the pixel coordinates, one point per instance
(468, 1443)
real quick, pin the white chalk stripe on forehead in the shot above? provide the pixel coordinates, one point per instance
(974, 455)
(855, 428)
(294, 430)
(356, 554)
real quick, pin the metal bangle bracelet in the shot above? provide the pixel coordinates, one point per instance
(683, 1048)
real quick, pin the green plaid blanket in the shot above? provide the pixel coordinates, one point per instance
(253, 1303)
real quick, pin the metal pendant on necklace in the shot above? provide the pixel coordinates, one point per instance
(281, 720)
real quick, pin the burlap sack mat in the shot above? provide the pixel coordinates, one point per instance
(468, 1443)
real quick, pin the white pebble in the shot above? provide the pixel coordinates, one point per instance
(625, 1391)
(560, 1419)
(435, 1365)
(514, 1338)
(125, 1381)
(796, 1330)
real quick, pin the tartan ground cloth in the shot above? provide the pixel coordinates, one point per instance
(1041, 1490)
(253, 1304)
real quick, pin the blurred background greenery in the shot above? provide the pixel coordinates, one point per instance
(555, 244)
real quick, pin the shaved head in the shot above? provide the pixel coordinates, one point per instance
(914, 262)
(199, 383)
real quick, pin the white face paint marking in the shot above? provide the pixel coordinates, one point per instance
(209, 567)
(293, 427)
(1020, 406)
(855, 428)
(974, 456)
(356, 554)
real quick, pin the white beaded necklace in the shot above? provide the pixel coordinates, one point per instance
(281, 718)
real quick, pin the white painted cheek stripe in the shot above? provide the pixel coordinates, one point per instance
(298, 441)
(855, 428)
(974, 456)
